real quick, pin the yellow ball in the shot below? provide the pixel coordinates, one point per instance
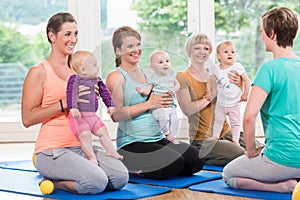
(296, 192)
(34, 160)
(46, 187)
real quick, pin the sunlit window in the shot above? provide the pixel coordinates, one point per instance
(23, 44)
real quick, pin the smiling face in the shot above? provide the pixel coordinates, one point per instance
(65, 40)
(226, 53)
(198, 47)
(160, 62)
(199, 53)
(130, 51)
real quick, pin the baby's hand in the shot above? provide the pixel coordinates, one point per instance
(75, 112)
(111, 110)
(139, 90)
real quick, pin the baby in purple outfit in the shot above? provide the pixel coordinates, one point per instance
(82, 115)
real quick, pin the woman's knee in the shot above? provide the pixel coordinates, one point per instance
(228, 176)
(94, 184)
(118, 181)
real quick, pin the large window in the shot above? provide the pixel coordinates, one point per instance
(163, 24)
(23, 44)
(29, 45)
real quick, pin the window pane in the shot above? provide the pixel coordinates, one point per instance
(158, 23)
(23, 44)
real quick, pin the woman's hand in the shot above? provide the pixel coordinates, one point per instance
(254, 153)
(235, 78)
(85, 90)
(160, 101)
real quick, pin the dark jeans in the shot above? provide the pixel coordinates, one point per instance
(162, 159)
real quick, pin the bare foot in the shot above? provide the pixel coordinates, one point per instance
(288, 186)
(236, 142)
(175, 141)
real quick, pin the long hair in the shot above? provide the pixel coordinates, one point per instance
(56, 21)
(118, 37)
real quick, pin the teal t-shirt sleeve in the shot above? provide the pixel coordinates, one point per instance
(263, 78)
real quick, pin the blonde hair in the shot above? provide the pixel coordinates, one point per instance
(198, 38)
(224, 44)
(78, 58)
(155, 52)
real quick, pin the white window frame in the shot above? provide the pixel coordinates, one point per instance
(87, 14)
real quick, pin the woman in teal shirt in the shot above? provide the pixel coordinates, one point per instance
(140, 140)
(276, 94)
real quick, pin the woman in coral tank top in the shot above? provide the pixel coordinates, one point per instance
(59, 156)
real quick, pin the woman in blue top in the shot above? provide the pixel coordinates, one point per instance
(140, 140)
(276, 94)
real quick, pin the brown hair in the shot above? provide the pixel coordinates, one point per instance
(283, 22)
(56, 21)
(118, 37)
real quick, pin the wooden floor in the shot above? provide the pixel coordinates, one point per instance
(175, 194)
(193, 195)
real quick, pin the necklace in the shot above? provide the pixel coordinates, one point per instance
(198, 74)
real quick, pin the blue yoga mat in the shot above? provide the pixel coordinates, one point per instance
(213, 168)
(26, 182)
(24, 165)
(220, 187)
(177, 182)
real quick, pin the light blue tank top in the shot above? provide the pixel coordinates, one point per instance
(142, 128)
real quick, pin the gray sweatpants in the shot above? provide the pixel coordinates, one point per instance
(71, 164)
(259, 168)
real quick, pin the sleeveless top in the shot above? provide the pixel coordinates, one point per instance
(55, 132)
(142, 128)
(200, 123)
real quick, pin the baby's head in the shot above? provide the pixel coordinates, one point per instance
(84, 63)
(226, 52)
(160, 62)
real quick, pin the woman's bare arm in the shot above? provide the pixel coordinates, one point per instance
(256, 99)
(188, 106)
(32, 112)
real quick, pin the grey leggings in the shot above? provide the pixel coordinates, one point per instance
(71, 164)
(259, 168)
